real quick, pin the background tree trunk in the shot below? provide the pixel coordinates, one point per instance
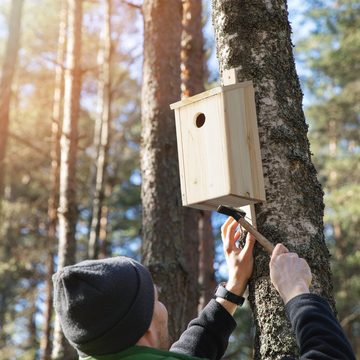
(32, 341)
(207, 281)
(7, 75)
(53, 202)
(103, 134)
(162, 218)
(69, 139)
(104, 241)
(255, 39)
(8, 70)
(197, 236)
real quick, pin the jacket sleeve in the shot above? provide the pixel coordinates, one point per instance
(207, 336)
(318, 333)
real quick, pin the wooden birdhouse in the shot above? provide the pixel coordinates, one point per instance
(218, 146)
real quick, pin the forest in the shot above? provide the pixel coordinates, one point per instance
(89, 165)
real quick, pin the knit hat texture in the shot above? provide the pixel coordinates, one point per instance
(104, 306)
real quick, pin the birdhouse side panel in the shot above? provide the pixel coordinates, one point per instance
(253, 144)
(239, 161)
(243, 143)
(204, 153)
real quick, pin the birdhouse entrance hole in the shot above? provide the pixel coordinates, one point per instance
(200, 120)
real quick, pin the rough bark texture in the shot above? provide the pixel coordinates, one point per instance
(67, 211)
(253, 36)
(8, 70)
(197, 236)
(103, 134)
(162, 222)
(46, 344)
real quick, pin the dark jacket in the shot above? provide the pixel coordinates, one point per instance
(317, 331)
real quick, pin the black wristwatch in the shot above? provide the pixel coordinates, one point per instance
(223, 293)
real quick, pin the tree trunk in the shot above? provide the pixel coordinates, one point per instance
(69, 138)
(104, 243)
(255, 39)
(53, 202)
(32, 341)
(192, 49)
(162, 218)
(8, 70)
(6, 283)
(196, 223)
(104, 133)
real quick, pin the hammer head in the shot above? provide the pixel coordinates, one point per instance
(231, 211)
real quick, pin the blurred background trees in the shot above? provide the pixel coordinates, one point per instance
(331, 53)
(108, 177)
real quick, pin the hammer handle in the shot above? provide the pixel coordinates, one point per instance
(268, 246)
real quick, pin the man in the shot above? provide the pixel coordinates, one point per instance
(109, 309)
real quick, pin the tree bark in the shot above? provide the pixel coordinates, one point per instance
(67, 211)
(254, 38)
(162, 218)
(103, 134)
(196, 223)
(192, 49)
(8, 70)
(46, 344)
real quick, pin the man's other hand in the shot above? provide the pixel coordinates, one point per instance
(290, 274)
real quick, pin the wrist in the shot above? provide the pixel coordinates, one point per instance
(227, 305)
(236, 287)
(295, 291)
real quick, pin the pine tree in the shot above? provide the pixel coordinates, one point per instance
(69, 142)
(103, 135)
(162, 219)
(46, 344)
(7, 75)
(199, 240)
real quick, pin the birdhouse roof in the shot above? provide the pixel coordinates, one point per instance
(208, 93)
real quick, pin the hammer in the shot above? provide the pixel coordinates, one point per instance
(239, 216)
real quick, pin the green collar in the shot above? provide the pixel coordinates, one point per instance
(139, 352)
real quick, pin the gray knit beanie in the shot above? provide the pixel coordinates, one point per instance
(104, 306)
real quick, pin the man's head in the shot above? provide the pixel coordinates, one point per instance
(105, 306)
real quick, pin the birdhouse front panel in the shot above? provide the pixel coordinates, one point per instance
(203, 149)
(218, 146)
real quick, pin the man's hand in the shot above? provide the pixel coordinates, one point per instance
(290, 274)
(240, 262)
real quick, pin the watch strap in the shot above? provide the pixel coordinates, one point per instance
(223, 293)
